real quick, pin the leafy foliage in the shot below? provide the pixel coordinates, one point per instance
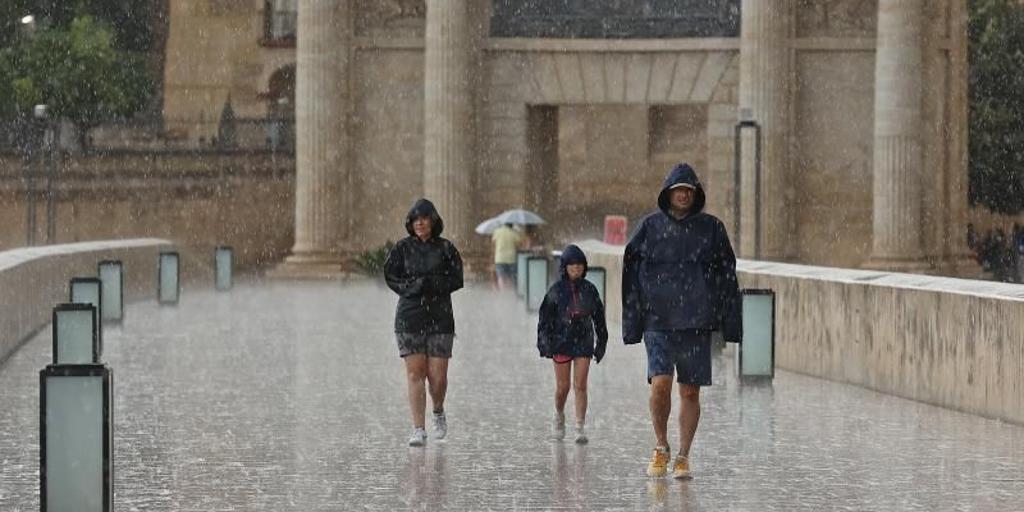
(131, 20)
(996, 31)
(77, 71)
(371, 262)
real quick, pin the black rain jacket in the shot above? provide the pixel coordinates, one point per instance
(680, 274)
(572, 315)
(424, 275)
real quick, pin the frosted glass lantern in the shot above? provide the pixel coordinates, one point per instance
(223, 258)
(168, 283)
(536, 282)
(755, 356)
(75, 334)
(111, 274)
(76, 463)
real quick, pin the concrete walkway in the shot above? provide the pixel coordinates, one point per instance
(290, 397)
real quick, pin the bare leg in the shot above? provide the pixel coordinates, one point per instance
(415, 373)
(689, 416)
(562, 372)
(581, 370)
(437, 378)
(661, 406)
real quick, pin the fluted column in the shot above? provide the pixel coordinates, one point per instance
(321, 145)
(448, 164)
(764, 96)
(897, 144)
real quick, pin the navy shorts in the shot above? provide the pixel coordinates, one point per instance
(430, 345)
(686, 353)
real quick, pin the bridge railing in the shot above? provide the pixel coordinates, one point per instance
(33, 279)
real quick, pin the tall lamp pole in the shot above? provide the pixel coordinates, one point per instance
(51, 136)
(28, 24)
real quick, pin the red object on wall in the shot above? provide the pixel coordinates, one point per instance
(615, 229)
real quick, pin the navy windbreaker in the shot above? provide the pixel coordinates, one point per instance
(572, 315)
(424, 275)
(680, 274)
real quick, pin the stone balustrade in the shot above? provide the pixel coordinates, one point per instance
(33, 280)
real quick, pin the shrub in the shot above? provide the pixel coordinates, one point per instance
(371, 262)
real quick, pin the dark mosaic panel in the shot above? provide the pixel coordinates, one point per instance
(616, 19)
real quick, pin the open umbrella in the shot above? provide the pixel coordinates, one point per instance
(488, 226)
(519, 216)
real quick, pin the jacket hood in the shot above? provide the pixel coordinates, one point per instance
(682, 173)
(570, 255)
(424, 207)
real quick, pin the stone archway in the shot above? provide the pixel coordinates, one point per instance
(599, 129)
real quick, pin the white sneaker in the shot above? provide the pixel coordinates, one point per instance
(558, 432)
(418, 438)
(440, 425)
(581, 438)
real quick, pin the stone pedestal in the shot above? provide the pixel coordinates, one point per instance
(322, 164)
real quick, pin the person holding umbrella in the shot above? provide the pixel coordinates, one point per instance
(506, 242)
(424, 269)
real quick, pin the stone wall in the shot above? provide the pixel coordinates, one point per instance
(33, 281)
(199, 200)
(955, 343)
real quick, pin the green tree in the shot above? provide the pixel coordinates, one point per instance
(996, 82)
(77, 71)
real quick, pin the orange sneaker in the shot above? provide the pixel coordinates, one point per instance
(681, 469)
(659, 462)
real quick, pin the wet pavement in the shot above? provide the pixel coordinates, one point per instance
(289, 396)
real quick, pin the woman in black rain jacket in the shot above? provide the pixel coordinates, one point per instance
(424, 269)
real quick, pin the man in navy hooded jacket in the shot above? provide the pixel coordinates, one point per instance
(678, 285)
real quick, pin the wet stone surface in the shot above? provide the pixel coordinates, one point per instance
(291, 397)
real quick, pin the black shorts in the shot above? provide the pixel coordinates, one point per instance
(685, 353)
(431, 345)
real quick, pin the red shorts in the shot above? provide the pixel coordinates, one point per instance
(561, 358)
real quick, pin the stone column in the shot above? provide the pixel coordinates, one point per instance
(321, 147)
(959, 257)
(764, 96)
(897, 146)
(449, 134)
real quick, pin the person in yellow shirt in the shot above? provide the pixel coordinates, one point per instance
(506, 242)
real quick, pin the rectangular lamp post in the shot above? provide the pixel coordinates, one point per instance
(167, 283)
(521, 258)
(536, 281)
(76, 463)
(223, 265)
(111, 274)
(598, 276)
(75, 338)
(755, 357)
(88, 290)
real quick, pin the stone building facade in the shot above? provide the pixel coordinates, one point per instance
(861, 107)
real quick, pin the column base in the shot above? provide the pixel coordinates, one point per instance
(904, 265)
(963, 266)
(307, 265)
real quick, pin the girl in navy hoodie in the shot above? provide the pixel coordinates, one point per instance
(571, 331)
